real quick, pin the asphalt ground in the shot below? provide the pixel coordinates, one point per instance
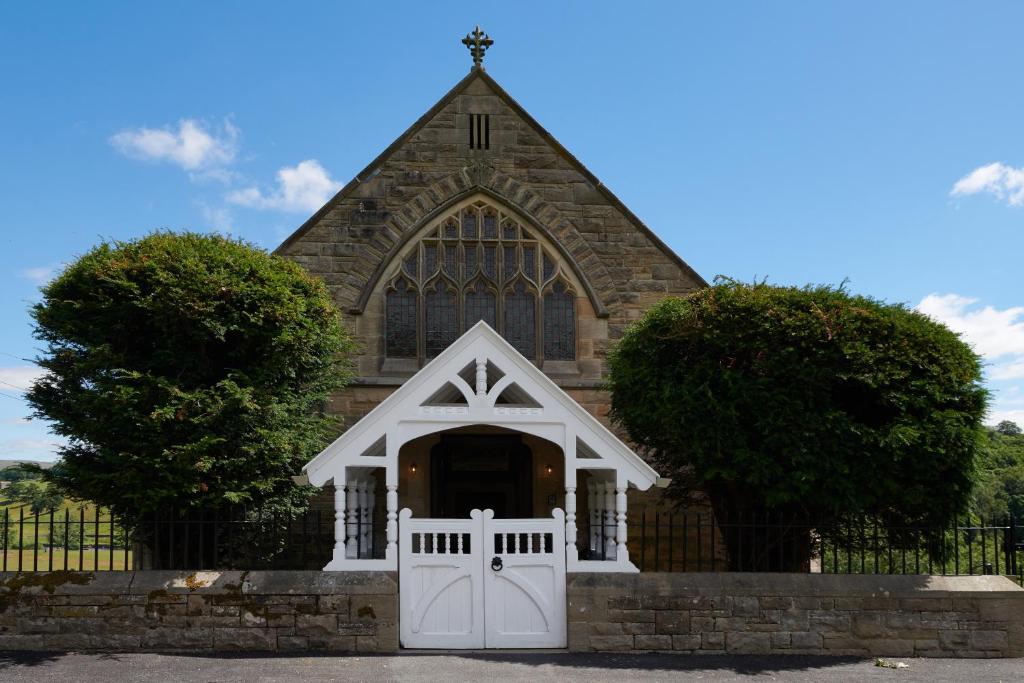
(452, 667)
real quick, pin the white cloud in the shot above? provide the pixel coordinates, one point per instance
(999, 179)
(996, 334)
(997, 416)
(301, 188)
(20, 378)
(39, 275)
(192, 146)
(993, 333)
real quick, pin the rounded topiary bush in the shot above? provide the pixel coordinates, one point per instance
(186, 370)
(808, 401)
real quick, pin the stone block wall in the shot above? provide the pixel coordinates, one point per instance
(897, 616)
(156, 610)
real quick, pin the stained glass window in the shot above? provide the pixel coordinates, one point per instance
(521, 319)
(400, 323)
(440, 316)
(490, 226)
(559, 324)
(466, 247)
(469, 225)
(530, 261)
(480, 305)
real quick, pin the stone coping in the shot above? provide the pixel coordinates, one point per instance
(771, 584)
(203, 582)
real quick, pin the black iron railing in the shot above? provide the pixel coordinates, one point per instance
(698, 541)
(92, 539)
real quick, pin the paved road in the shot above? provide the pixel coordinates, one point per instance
(491, 666)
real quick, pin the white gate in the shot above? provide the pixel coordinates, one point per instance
(482, 582)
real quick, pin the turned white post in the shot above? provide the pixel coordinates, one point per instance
(609, 521)
(369, 499)
(571, 552)
(481, 376)
(621, 554)
(594, 510)
(352, 528)
(392, 526)
(339, 518)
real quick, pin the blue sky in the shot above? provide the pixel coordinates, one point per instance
(802, 142)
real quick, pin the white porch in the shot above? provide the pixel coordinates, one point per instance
(478, 385)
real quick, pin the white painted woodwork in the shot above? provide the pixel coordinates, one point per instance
(541, 408)
(620, 524)
(339, 519)
(441, 589)
(451, 597)
(609, 521)
(524, 601)
(352, 528)
(392, 526)
(571, 552)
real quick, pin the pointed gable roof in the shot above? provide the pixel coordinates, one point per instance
(512, 393)
(473, 76)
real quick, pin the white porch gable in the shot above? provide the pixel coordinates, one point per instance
(479, 380)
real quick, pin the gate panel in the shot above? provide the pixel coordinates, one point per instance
(524, 581)
(441, 582)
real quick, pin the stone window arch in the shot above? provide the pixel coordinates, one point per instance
(480, 262)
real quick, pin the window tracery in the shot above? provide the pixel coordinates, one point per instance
(479, 263)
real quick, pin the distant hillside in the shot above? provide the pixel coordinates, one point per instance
(8, 463)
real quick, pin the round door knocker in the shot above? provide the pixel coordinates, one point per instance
(496, 564)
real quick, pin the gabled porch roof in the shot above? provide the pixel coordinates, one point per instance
(480, 380)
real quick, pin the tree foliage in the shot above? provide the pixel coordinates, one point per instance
(1008, 428)
(999, 483)
(186, 370)
(37, 494)
(803, 400)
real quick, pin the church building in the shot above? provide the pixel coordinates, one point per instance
(484, 273)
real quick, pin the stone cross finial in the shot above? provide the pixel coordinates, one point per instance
(477, 42)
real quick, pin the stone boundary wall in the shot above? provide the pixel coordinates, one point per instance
(863, 615)
(205, 610)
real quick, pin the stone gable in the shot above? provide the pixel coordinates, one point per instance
(353, 239)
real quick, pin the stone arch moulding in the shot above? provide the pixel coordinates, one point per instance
(429, 205)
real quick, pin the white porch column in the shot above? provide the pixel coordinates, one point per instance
(571, 552)
(392, 526)
(609, 521)
(352, 527)
(621, 554)
(366, 501)
(339, 519)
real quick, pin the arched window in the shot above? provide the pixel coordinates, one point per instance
(521, 319)
(441, 318)
(479, 263)
(559, 323)
(400, 323)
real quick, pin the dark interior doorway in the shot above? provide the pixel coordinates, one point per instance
(480, 471)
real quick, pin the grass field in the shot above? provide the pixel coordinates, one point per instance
(88, 539)
(91, 560)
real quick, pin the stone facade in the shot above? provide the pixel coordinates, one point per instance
(819, 614)
(152, 610)
(356, 242)
(622, 267)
